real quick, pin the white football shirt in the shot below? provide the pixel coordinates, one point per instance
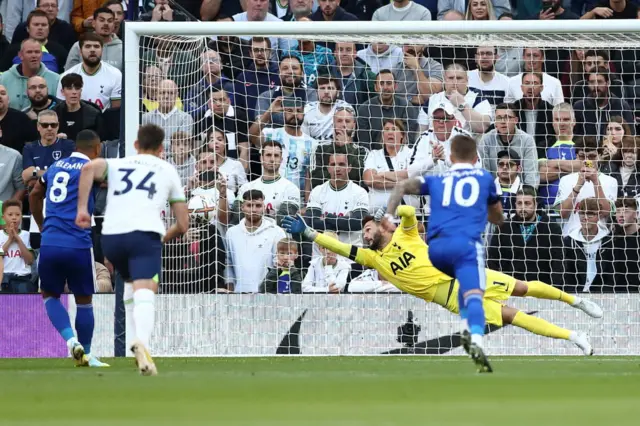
(296, 154)
(340, 202)
(551, 90)
(317, 124)
(565, 187)
(275, 193)
(376, 161)
(139, 188)
(13, 261)
(214, 195)
(494, 91)
(101, 87)
(234, 173)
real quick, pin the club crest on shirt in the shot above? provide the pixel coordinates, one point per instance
(56, 155)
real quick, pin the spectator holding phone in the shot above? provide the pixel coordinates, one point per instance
(552, 9)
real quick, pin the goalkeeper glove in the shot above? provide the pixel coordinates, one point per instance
(380, 214)
(296, 225)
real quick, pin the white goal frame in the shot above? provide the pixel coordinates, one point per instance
(483, 30)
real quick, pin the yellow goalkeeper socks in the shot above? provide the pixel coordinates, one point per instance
(539, 326)
(540, 290)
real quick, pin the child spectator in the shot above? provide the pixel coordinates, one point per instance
(284, 277)
(327, 273)
(17, 256)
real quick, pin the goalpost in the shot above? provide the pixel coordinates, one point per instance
(357, 324)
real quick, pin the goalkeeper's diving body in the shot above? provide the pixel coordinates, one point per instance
(400, 256)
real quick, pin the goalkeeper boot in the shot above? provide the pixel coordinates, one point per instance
(588, 307)
(144, 361)
(480, 359)
(582, 341)
(94, 362)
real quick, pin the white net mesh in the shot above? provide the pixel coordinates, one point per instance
(246, 114)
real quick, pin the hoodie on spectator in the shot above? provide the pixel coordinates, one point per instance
(592, 120)
(251, 83)
(250, 254)
(522, 143)
(387, 60)
(588, 265)
(16, 84)
(111, 54)
(358, 87)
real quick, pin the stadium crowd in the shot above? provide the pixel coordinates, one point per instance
(259, 128)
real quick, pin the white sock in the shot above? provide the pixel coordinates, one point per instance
(144, 314)
(130, 329)
(477, 339)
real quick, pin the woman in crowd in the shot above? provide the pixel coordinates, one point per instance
(231, 169)
(625, 167)
(612, 141)
(384, 168)
(480, 10)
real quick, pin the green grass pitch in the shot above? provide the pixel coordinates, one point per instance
(340, 391)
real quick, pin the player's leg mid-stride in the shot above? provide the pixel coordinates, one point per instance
(139, 300)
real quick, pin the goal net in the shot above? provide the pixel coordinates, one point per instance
(324, 119)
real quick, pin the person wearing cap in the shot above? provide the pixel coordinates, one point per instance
(431, 154)
(506, 135)
(474, 113)
(509, 169)
(297, 146)
(318, 115)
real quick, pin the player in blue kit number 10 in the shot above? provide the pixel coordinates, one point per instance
(462, 199)
(66, 251)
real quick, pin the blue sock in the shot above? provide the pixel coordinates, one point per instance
(462, 307)
(475, 313)
(59, 317)
(84, 326)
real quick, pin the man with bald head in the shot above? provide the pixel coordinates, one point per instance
(167, 116)
(39, 96)
(15, 127)
(15, 80)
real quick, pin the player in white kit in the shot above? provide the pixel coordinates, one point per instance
(133, 231)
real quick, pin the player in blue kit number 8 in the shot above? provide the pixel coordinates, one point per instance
(462, 199)
(66, 251)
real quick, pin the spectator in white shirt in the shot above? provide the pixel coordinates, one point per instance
(281, 196)
(327, 273)
(251, 245)
(485, 80)
(385, 167)
(318, 116)
(587, 183)
(402, 10)
(17, 255)
(381, 56)
(533, 59)
(474, 113)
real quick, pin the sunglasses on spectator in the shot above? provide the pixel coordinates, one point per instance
(444, 118)
(47, 125)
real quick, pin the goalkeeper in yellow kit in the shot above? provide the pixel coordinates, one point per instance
(401, 257)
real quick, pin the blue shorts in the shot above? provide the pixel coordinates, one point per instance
(460, 258)
(135, 255)
(58, 266)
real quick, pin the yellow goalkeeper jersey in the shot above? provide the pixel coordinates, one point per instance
(404, 262)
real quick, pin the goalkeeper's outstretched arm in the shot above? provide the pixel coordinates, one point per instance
(411, 186)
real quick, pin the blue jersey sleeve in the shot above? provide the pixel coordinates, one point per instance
(494, 192)
(27, 156)
(424, 188)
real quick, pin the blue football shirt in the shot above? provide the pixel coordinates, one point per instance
(459, 201)
(61, 180)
